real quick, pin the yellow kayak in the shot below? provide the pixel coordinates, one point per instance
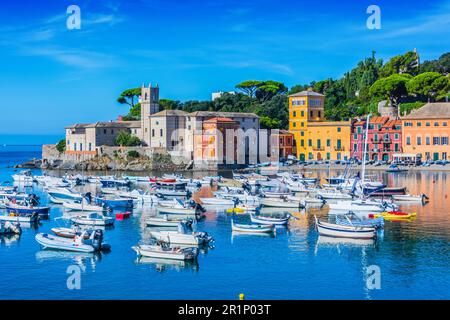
(235, 210)
(395, 215)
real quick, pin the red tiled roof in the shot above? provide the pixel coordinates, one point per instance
(220, 119)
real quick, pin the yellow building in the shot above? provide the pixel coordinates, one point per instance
(315, 138)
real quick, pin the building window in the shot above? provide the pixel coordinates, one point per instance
(294, 124)
(396, 136)
(294, 114)
(427, 141)
(328, 142)
(436, 141)
(302, 133)
(436, 124)
(318, 114)
(75, 146)
(161, 132)
(81, 147)
(153, 132)
(319, 144)
(302, 113)
(355, 147)
(396, 148)
(408, 124)
(302, 143)
(302, 124)
(90, 146)
(355, 137)
(328, 156)
(419, 141)
(444, 124)
(427, 124)
(310, 142)
(408, 141)
(311, 114)
(112, 131)
(104, 131)
(310, 156)
(444, 141)
(339, 156)
(359, 129)
(339, 143)
(339, 129)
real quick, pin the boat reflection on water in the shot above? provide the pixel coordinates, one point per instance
(168, 264)
(9, 239)
(331, 241)
(82, 259)
(242, 235)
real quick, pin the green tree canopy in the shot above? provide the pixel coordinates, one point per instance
(430, 85)
(249, 87)
(61, 146)
(167, 104)
(391, 88)
(406, 63)
(125, 139)
(441, 65)
(268, 89)
(129, 96)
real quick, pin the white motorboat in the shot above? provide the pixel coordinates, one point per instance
(83, 206)
(218, 201)
(165, 221)
(21, 218)
(93, 219)
(23, 177)
(306, 200)
(182, 236)
(171, 193)
(61, 195)
(269, 220)
(410, 198)
(281, 203)
(145, 197)
(334, 195)
(70, 232)
(176, 206)
(78, 244)
(164, 251)
(252, 228)
(362, 205)
(343, 231)
(274, 194)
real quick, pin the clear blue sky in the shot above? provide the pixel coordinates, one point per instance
(51, 77)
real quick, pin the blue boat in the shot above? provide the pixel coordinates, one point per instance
(114, 203)
(115, 183)
(27, 206)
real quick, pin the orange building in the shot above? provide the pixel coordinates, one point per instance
(211, 144)
(426, 132)
(285, 144)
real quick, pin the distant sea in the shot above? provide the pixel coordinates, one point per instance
(28, 140)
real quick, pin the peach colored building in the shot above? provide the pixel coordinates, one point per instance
(426, 132)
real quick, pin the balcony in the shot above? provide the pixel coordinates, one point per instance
(339, 148)
(318, 148)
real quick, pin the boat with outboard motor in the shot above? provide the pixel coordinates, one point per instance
(79, 243)
(182, 236)
(344, 231)
(162, 250)
(177, 206)
(165, 221)
(252, 228)
(93, 219)
(270, 219)
(9, 227)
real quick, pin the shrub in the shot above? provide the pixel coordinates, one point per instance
(61, 146)
(133, 154)
(125, 139)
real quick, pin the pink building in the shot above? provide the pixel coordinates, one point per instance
(384, 138)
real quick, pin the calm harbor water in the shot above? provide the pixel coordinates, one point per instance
(413, 257)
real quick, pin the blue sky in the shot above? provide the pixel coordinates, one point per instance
(52, 77)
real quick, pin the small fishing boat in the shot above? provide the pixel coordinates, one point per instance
(306, 200)
(334, 195)
(362, 205)
(8, 227)
(83, 205)
(113, 202)
(78, 244)
(383, 192)
(164, 251)
(27, 206)
(252, 228)
(274, 194)
(410, 198)
(176, 206)
(182, 236)
(165, 221)
(394, 168)
(21, 218)
(93, 219)
(70, 232)
(351, 219)
(269, 220)
(281, 203)
(342, 231)
(145, 197)
(115, 183)
(218, 201)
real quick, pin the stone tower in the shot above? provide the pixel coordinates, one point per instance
(149, 100)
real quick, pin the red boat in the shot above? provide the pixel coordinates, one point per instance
(123, 215)
(156, 180)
